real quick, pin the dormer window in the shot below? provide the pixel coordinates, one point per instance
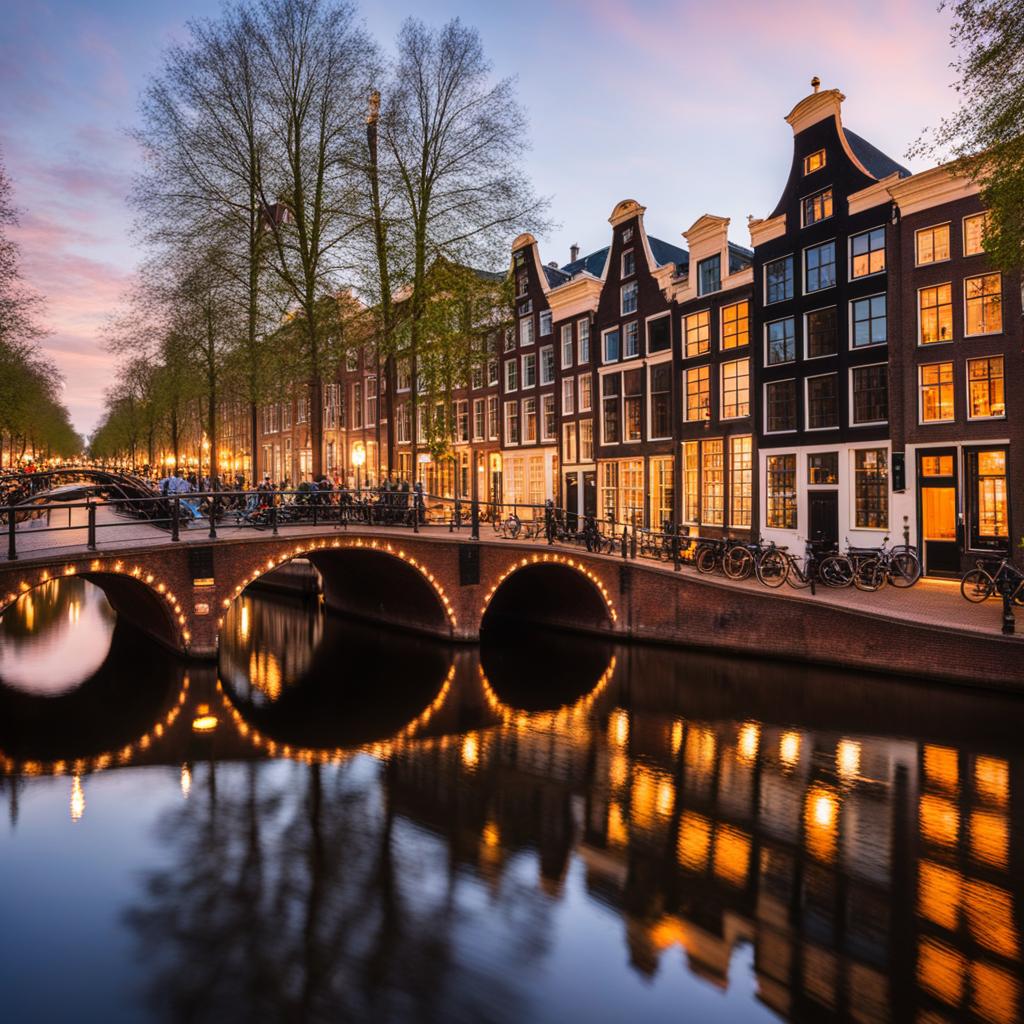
(628, 263)
(709, 275)
(627, 236)
(817, 207)
(814, 162)
(629, 298)
(522, 282)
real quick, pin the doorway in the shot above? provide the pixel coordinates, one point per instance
(590, 493)
(824, 517)
(572, 497)
(936, 496)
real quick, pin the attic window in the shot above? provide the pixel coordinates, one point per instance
(627, 235)
(814, 162)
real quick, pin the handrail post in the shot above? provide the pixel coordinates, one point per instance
(273, 515)
(676, 561)
(175, 514)
(632, 553)
(625, 542)
(91, 539)
(474, 519)
(12, 545)
(213, 515)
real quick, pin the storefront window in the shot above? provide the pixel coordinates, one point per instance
(741, 476)
(823, 468)
(781, 499)
(662, 492)
(691, 473)
(609, 489)
(713, 483)
(990, 519)
(871, 488)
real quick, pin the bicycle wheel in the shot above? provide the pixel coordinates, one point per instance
(796, 577)
(977, 586)
(706, 559)
(904, 569)
(868, 574)
(836, 571)
(772, 568)
(738, 563)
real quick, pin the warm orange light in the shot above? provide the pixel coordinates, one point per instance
(77, 799)
(848, 760)
(618, 727)
(789, 749)
(821, 822)
(204, 721)
(748, 742)
(677, 735)
(941, 768)
(186, 781)
(470, 750)
(940, 970)
(992, 780)
(732, 855)
(618, 833)
(939, 819)
(694, 841)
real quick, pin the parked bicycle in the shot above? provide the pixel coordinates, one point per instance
(989, 577)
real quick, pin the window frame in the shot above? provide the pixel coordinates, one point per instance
(877, 447)
(667, 315)
(949, 243)
(581, 337)
(1002, 320)
(792, 280)
(523, 386)
(721, 390)
(963, 233)
(768, 324)
(967, 383)
(835, 266)
(921, 421)
(665, 360)
(722, 347)
(804, 222)
(851, 328)
(623, 272)
(631, 287)
(807, 334)
(807, 402)
(605, 334)
(624, 328)
(850, 275)
(921, 343)
(589, 391)
(768, 491)
(700, 263)
(542, 317)
(562, 342)
(807, 159)
(796, 412)
(684, 341)
(697, 368)
(852, 395)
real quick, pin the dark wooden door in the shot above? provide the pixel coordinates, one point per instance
(590, 494)
(824, 516)
(572, 497)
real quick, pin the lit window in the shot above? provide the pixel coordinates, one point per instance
(936, 392)
(974, 233)
(778, 280)
(814, 161)
(741, 480)
(548, 423)
(780, 406)
(662, 492)
(817, 207)
(511, 423)
(781, 335)
(869, 324)
(530, 420)
(736, 325)
(821, 333)
(698, 333)
(871, 488)
(632, 388)
(629, 296)
(984, 300)
(585, 392)
(990, 505)
(932, 244)
(822, 402)
(712, 483)
(736, 389)
(569, 443)
(823, 468)
(709, 275)
(698, 393)
(691, 481)
(820, 267)
(867, 253)
(566, 345)
(985, 395)
(935, 314)
(586, 440)
(870, 393)
(631, 341)
(781, 499)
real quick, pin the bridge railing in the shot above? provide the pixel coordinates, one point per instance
(229, 511)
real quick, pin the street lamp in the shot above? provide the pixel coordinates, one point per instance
(358, 460)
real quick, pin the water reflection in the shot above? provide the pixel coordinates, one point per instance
(553, 830)
(55, 636)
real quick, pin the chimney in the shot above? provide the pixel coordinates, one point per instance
(574, 252)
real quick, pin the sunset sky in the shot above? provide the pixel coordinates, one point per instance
(679, 105)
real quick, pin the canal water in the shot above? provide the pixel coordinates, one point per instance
(341, 822)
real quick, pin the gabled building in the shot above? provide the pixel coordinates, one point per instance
(821, 303)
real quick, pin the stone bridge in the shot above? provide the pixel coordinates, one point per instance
(450, 587)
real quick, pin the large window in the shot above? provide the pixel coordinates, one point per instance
(712, 491)
(820, 267)
(529, 421)
(931, 245)
(936, 392)
(935, 314)
(566, 346)
(817, 207)
(479, 419)
(868, 319)
(985, 388)
(530, 370)
(569, 443)
(741, 480)
(989, 503)
(511, 375)
(983, 298)
(661, 400)
(545, 323)
(870, 386)
(586, 393)
(691, 481)
(781, 336)
(662, 492)
(867, 253)
(547, 365)
(871, 488)
(586, 440)
(526, 331)
(492, 417)
(629, 296)
(735, 389)
(632, 387)
(659, 336)
(568, 395)
(780, 406)
(612, 349)
(583, 342)
(821, 333)
(511, 423)
(709, 275)
(974, 233)
(778, 280)
(610, 388)
(628, 263)
(548, 421)
(822, 402)
(736, 325)
(698, 393)
(698, 333)
(631, 339)
(781, 497)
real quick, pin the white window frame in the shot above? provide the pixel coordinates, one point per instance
(568, 396)
(544, 317)
(921, 421)
(660, 359)
(850, 396)
(824, 161)
(582, 334)
(541, 434)
(809, 195)
(630, 286)
(849, 254)
(1002, 304)
(647, 334)
(764, 393)
(721, 276)
(835, 263)
(721, 325)
(478, 403)
(932, 227)
(505, 424)
(967, 384)
(623, 273)
(505, 386)
(580, 392)
(764, 283)
(808, 358)
(807, 404)
(523, 343)
(721, 389)
(849, 321)
(779, 320)
(572, 345)
(682, 334)
(685, 395)
(622, 338)
(523, 386)
(604, 345)
(540, 365)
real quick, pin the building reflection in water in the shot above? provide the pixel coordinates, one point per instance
(855, 834)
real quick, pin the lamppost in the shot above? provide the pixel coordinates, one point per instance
(358, 460)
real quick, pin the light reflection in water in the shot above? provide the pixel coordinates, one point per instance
(476, 832)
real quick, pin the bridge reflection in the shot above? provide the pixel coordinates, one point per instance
(858, 834)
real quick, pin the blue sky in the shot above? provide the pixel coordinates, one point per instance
(678, 105)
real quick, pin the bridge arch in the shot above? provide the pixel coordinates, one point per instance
(369, 578)
(137, 594)
(550, 589)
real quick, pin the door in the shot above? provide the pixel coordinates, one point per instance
(824, 517)
(590, 494)
(936, 482)
(572, 497)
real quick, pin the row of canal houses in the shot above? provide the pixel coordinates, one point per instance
(853, 374)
